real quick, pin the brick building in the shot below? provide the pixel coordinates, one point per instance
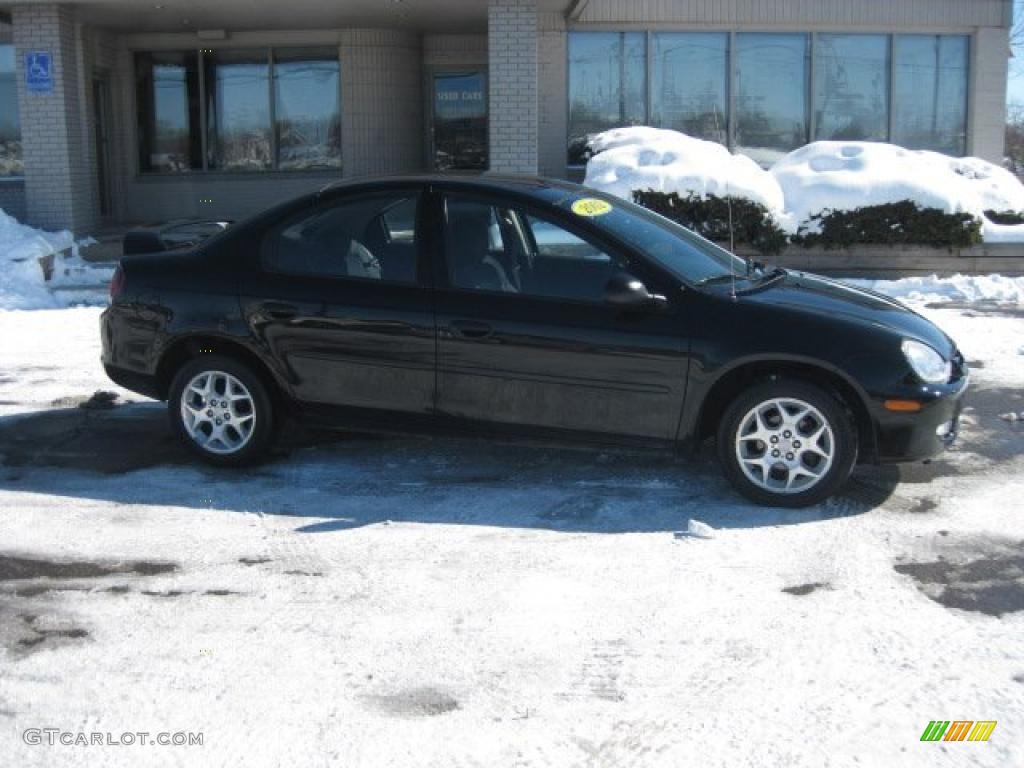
(116, 111)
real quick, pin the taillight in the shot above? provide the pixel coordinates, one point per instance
(117, 283)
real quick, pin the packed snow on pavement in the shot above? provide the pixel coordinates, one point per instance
(397, 602)
(22, 279)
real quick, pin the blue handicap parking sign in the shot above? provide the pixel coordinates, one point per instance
(39, 71)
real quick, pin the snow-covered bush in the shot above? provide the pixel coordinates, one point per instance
(710, 216)
(657, 160)
(690, 181)
(825, 176)
(902, 223)
(847, 175)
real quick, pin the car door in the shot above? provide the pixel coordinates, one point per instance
(526, 340)
(340, 299)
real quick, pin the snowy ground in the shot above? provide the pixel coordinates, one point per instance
(385, 602)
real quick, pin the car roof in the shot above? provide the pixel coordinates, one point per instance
(488, 182)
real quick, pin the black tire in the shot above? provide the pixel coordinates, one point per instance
(263, 431)
(843, 443)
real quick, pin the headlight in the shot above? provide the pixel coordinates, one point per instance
(926, 362)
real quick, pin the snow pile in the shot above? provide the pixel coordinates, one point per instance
(22, 282)
(641, 158)
(823, 175)
(996, 289)
(843, 175)
(699, 530)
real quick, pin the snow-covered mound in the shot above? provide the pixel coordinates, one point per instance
(843, 175)
(996, 289)
(641, 158)
(824, 175)
(22, 282)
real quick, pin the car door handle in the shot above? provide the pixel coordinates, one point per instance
(471, 329)
(280, 311)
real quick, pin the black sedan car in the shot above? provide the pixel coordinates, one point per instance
(528, 308)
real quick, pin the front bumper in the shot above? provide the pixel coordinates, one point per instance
(904, 437)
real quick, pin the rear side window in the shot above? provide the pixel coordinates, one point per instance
(368, 238)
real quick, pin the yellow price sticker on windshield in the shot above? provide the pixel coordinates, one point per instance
(591, 206)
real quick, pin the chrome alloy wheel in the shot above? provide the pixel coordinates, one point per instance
(218, 412)
(785, 445)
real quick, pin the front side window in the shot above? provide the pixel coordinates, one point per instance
(930, 96)
(771, 94)
(851, 87)
(492, 248)
(662, 241)
(690, 75)
(607, 85)
(368, 238)
(167, 91)
(11, 162)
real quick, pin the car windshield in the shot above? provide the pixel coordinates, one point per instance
(685, 254)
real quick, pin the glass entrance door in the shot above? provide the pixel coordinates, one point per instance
(460, 121)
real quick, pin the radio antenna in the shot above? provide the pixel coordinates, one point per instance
(732, 240)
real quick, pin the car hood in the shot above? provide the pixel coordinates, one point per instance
(814, 294)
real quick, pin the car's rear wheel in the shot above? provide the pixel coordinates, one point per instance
(221, 410)
(787, 443)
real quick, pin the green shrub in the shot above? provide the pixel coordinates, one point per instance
(752, 223)
(1005, 217)
(903, 223)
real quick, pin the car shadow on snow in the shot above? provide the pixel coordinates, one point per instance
(336, 481)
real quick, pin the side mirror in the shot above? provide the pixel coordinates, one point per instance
(627, 292)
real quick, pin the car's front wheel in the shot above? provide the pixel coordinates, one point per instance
(787, 443)
(221, 410)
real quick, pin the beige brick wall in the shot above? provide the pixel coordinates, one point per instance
(512, 51)
(552, 96)
(454, 51)
(58, 179)
(12, 198)
(803, 14)
(986, 128)
(382, 102)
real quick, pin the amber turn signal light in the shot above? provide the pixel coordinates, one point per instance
(903, 406)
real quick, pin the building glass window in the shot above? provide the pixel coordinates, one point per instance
(851, 87)
(607, 85)
(264, 109)
(771, 94)
(11, 163)
(930, 92)
(167, 88)
(307, 109)
(237, 110)
(460, 121)
(690, 83)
